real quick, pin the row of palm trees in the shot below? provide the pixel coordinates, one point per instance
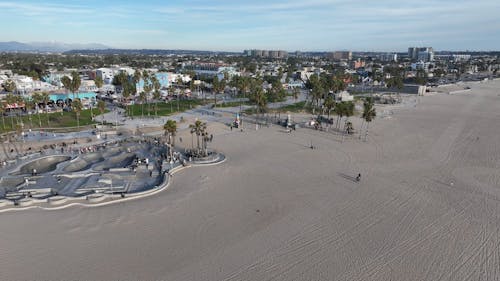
(198, 128)
(38, 102)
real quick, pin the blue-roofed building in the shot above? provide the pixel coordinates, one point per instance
(162, 78)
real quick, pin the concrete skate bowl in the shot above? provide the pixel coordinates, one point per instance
(119, 161)
(42, 165)
(86, 161)
(9, 184)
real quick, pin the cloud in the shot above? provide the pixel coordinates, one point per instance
(44, 9)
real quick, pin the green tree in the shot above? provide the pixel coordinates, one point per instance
(394, 82)
(77, 107)
(29, 105)
(45, 99)
(170, 128)
(369, 114)
(329, 104)
(156, 92)
(142, 98)
(128, 90)
(2, 111)
(199, 129)
(98, 82)
(348, 112)
(147, 89)
(217, 87)
(10, 86)
(76, 81)
(11, 99)
(38, 99)
(259, 98)
(101, 105)
(137, 76)
(296, 93)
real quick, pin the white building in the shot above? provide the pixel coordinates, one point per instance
(106, 74)
(344, 96)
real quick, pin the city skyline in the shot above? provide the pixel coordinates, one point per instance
(317, 25)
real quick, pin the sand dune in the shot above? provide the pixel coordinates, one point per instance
(427, 208)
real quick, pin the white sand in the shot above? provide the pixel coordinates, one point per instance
(277, 210)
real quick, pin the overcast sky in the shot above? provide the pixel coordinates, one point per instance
(234, 25)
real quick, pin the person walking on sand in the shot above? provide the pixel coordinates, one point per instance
(358, 178)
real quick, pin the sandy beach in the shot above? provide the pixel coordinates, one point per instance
(427, 208)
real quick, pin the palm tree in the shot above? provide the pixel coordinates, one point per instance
(369, 113)
(2, 111)
(329, 104)
(348, 112)
(37, 99)
(137, 76)
(77, 106)
(98, 82)
(339, 109)
(259, 98)
(170, 128)
(199, 129)
(29, 104)
(142, 98)
(217, 86)
(76, 81)
(11, 99)
(147, 88)
(66, 81)
(45, 99)
(128, 89)
(156, 92)
(102, 107)
(296, 92)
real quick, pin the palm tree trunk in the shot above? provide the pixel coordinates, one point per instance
(197, 142)
(39, 119)
(3, 120)
(192, 142)
(366, 130)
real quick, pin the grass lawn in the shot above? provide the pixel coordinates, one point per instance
(164, 108)
(233, 104)
(51, 120)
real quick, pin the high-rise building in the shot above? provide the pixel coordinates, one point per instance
(341, 55)
(276, 54)
(421, 53)
(389, 57)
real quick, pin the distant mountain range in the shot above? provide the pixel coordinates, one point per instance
(14, 46)
(159, 52)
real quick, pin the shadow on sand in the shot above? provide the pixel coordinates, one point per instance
(348, 177)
